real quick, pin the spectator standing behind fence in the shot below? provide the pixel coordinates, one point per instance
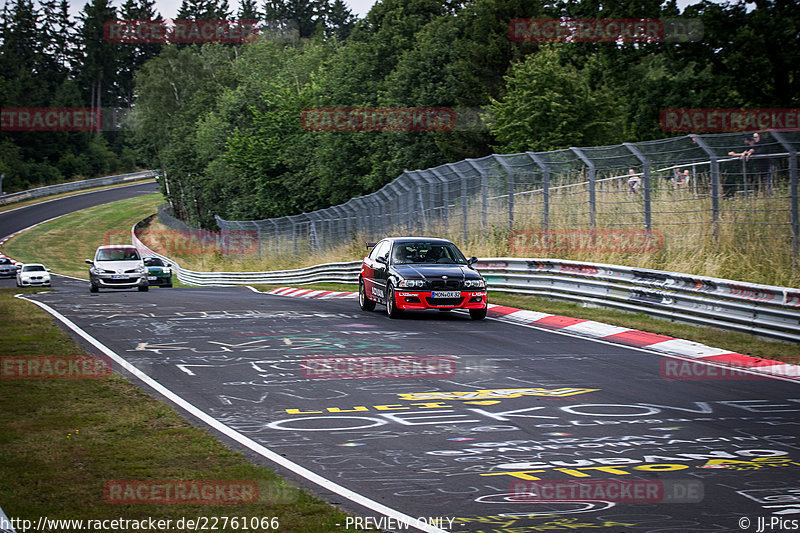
(762, 177)
(744, 156)
(683, 178)
(634, 182)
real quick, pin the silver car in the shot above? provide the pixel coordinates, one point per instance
(117, 267)
(7, 268)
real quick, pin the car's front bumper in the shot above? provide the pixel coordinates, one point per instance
(34, 282)
(158, 280)
(118, 281)
(420, 300)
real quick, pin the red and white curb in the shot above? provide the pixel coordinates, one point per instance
(608, 333)
(308, 293)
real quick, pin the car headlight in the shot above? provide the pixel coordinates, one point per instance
(167, 271)
(411, 283)
(140, 270)
(475, 284)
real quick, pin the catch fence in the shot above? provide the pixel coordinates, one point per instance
(693, 191)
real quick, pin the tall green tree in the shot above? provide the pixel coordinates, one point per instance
(549, 105)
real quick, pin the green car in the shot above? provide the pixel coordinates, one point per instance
(158, 273)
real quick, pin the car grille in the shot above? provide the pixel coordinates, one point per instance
(443, 301)
(121, 281)
(441, 285)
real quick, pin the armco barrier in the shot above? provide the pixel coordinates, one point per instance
(756, 309)
(330, 272)
(762, 310)
(76, 186)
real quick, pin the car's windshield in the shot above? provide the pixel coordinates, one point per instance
(117, 254)
(153, 262)
(4, 261)
(427, 252)
(33, 268)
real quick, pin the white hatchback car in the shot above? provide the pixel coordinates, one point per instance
(117, 267)
(33, 275)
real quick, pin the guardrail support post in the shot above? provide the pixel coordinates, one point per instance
(592, 185)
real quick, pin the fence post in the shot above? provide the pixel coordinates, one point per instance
(545, 189)
(592, 185)
(409, 199)
(294, 234)
(712, 156)
(510, 174)
(445, 197)
(793, 192)
(648, 223)
(484, 192)
(430, 204)
(464, 204)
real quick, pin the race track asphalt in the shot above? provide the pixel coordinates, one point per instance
(490, 433)
(17, 219)
(493, 431)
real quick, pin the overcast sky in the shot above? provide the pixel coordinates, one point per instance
(169, 8)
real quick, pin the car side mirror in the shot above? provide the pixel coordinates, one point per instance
(382, 259)
(472, 260)
(89, 262)
(168, 265)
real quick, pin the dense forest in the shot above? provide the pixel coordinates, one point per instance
(224, 120)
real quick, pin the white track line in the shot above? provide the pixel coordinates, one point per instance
(238, 437)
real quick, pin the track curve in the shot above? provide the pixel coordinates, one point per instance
(492, 439)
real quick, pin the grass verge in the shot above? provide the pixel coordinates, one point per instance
(61, 441)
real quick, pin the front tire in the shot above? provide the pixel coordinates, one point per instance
(144, 288)
(478, 314)
(391, 306)
(94, 288)
(365, 303)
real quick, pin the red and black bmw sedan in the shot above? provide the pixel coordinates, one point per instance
(405, 273)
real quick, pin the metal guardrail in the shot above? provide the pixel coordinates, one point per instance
(75, 186)
(763, 310)
(346, 272)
